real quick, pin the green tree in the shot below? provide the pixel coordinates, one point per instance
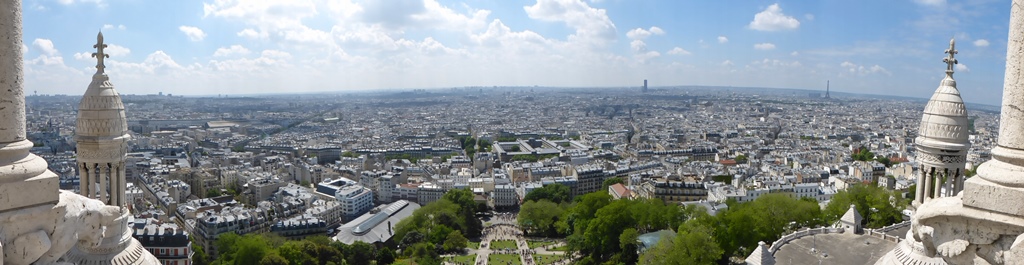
(273, 259)
(540, 217)
(556, 193)
(455, 242)
(386, 256)
(629, 245)
(694, 244)
(250, 249)
(741, 159)
(360, 253)
(878, 206)
(212, 193)
(293, 252)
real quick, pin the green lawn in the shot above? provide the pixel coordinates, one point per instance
(473, 245)
(561, 248)
(404, 262)
(502, 244)
(536, 244)
(503, 259)
(541, 259)
(470, 259)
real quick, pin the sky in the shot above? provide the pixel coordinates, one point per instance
(282, 46)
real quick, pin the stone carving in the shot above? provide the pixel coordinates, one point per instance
(957, 234)
(101, 154)
(75, 219)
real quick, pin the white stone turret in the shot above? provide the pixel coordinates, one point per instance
(101, 136)
(942, 142)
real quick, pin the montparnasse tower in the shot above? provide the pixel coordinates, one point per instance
(101, 137)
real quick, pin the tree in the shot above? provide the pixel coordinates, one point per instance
(556, 193)
(741, 159)
(293, 251)
(693, 244)
(455, 242)
(212, 193)
(386, 256)
(878, 206)
(349, 154)
(629, 245)
(250, 249)
(273, 259)
(360, 253)
(540, 217)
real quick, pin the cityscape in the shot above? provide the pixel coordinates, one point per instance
(656, 171)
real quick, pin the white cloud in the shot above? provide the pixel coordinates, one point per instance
(809, 17)
(931, 2)
(24, 49)
(231, 51)
(639, 33)
(856, 69)
(722, 39)
(794, 53)
(45, 46)
(116, 50)
(193, 33)
(678, 51)
(252, 34)
(962, 68)
(981, 43)
(772, 19)
(764, 46)
(726, 63)
(110, 26)
(592, 25)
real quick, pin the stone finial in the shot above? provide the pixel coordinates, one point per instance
(949, 60)
(99, 55)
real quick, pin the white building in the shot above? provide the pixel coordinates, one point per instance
(428, 192)
(355, 201)
(505, 196)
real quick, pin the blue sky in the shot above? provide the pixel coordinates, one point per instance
(273, 46)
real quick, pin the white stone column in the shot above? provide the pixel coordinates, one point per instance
(938, 184)
(12, 108)
(928, 185)
(999, 185)
(86, 181)
(24, 180)
(104, 184)
(920, 191)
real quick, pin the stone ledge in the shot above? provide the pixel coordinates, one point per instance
(42, 189)
(983, 194)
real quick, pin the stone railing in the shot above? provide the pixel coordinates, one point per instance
(802, 233)
(883, 232)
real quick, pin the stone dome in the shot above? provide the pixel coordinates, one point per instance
(944, 123)
(101, 112)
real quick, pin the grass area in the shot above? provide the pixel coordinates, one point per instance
(503, 259)
(502, 244)
(536, 244)
(561, 248)
(404, 262)
(541, 259)
(473, 245)
(470, 259)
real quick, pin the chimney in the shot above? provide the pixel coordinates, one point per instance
(389, 228)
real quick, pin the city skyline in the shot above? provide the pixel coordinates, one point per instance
(227, 47)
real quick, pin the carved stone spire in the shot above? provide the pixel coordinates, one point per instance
(949, 60)
(99, 55)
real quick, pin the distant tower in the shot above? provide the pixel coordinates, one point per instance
(101, 136)
(942, 142)
(826, 89)
(645, 86)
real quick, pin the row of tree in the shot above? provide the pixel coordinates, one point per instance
(605, 231)
(270, 249)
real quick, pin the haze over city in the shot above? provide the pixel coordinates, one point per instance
(254, 47)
